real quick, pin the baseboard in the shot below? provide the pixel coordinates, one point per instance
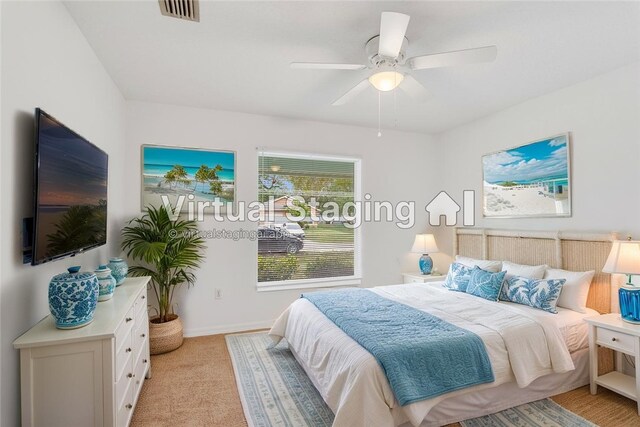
(227, 329)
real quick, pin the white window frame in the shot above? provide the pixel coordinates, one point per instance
(356, 278)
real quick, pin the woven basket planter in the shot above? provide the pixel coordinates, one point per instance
(165, 337)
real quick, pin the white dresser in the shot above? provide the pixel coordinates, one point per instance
(89, 376)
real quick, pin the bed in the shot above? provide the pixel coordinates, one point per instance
(534, 354)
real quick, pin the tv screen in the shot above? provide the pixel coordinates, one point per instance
(70, 192)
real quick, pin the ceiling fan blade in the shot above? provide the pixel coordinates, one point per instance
(458, 57)
(352, 93)
(326, 66)
(393, 27)
(414, 89)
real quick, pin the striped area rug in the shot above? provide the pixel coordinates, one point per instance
(543, 412)
(274, 389)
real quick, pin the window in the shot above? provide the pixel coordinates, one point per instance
(307, 235)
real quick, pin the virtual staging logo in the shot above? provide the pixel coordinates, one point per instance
(443, 209)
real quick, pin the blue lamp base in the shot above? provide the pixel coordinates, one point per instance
(630, 304)
(426, 264)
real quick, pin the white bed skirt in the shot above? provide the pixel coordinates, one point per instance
(496, 399)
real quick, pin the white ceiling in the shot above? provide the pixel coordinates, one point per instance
(237, 58)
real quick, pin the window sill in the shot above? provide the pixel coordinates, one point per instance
(288, 285)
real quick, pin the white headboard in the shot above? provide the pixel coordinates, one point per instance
(569, 251)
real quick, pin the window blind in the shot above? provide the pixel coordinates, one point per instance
(305, 233)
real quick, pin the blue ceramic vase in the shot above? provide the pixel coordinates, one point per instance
(106, 281)
(629, 297)
(119, 269)
(426, 264)
(73, 297)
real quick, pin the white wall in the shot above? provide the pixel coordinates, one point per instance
(46, 62)
(2, 251)
(603, 116)
(395, 167)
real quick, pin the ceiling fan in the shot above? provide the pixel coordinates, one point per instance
(389, 65)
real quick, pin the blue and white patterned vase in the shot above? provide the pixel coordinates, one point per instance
(425, 263)
(119, 269)
(106, 281)
(73, 297)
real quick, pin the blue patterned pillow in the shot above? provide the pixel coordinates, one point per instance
(458, 277)
(536, 293)
(485, 284)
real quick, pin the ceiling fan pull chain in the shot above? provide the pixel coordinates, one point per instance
(379, 125)
(395, 108)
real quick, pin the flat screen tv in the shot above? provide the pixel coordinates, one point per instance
(70, 192)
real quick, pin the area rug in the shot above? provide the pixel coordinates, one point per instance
(540, 413)
(273, 387)
(275, 391)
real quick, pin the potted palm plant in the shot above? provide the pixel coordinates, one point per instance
(168, 251)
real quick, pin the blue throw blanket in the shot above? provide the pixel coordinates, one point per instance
(422, 355)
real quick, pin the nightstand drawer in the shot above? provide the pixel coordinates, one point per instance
(420, 278)
(616, 340)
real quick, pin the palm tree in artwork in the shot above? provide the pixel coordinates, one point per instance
(210, 175)
(176, 175)
(170, 178)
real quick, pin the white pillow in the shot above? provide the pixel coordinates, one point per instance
(523, 270)
(575, 290)
(493, 266)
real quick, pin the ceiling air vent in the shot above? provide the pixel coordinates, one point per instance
(183, 9)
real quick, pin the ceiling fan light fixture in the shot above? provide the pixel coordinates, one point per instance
(385, 81)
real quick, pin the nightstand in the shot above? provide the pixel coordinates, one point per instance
(610, 331)
(420, 278)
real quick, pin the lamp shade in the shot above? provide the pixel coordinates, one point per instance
(624, 258)
(424, 244)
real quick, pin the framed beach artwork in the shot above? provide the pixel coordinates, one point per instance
(531, 180)
(197, 174)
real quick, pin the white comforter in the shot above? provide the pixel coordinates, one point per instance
(522, 346)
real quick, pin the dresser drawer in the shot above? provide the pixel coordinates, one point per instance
(616, 340)
(140, 369)
(125, 408)
(124, 328)
(124, 356)
(123, 385)
(141, 303)
(140, 337)
(142, 318)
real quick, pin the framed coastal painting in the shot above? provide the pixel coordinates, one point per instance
(188, 177)
(532, 180)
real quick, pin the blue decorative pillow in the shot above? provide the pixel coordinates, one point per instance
(536, 293)
(458, 277)
(485, 284)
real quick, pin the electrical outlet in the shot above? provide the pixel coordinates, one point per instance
(218, 293)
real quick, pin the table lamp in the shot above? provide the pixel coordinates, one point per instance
(425, 244)
(625, 259)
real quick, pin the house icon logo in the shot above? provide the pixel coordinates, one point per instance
(443, 205)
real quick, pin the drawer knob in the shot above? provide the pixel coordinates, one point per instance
(142, 297)
(143, 335)
(128, 406)
(129, 375)
(614, 339)
(144, 360)
(128, 350)
(128, 319)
